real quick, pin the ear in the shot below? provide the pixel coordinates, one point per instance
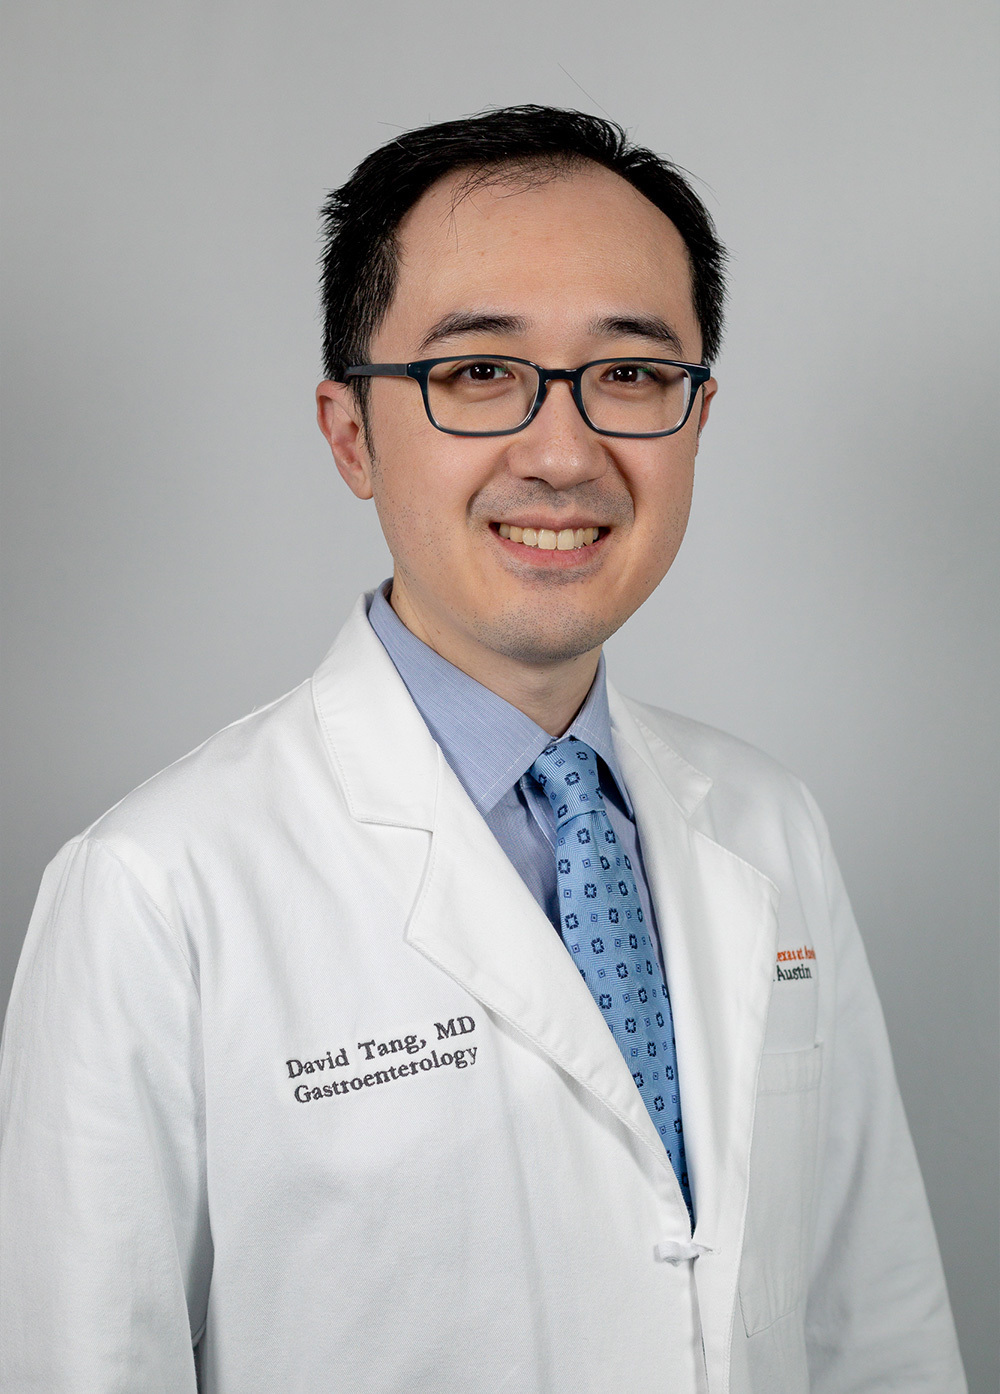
(339, 418)
(707, 393)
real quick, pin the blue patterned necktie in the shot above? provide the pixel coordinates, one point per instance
(602, 926)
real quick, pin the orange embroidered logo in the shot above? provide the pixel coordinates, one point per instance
(798, 961)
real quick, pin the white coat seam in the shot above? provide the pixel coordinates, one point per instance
(76, 844)
(188, 755)
(160, 914)
(331, 753)
(89, 841)
(70, 847)
(736, 1310)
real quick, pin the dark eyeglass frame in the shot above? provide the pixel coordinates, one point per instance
(421, 369)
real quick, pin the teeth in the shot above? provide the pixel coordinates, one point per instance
(547, 539)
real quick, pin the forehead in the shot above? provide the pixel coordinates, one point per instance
(554, 245)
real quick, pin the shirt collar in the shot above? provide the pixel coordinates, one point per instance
(488, 742)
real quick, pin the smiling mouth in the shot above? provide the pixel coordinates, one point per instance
(547, 540)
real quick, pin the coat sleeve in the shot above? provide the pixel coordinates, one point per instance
(878, 1316)
(105, 1253)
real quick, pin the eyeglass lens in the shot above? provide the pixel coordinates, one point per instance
(633, 396)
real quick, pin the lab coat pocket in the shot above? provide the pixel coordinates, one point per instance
(782, 1169)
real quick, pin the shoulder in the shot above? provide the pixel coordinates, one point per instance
(234, 777)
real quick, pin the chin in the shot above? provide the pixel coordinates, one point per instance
(528, 636)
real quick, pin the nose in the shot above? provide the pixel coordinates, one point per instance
(558, 447)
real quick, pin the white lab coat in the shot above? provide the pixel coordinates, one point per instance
(483, 1205)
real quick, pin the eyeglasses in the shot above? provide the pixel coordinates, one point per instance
(487, 396)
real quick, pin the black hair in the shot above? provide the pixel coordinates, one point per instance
(361, 218)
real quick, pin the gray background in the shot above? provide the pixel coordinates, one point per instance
(179, 548)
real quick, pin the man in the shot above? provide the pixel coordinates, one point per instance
(454, 1023)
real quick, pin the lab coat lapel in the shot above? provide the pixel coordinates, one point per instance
(717, 918)
(477, 921)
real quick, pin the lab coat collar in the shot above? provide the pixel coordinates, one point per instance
(377, 741)
(362, 704)
(686, 785)
(488, 742)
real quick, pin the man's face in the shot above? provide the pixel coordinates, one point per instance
(572, 268)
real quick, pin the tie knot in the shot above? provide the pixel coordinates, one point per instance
(567, 771)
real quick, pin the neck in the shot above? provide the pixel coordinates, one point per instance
(550, 694)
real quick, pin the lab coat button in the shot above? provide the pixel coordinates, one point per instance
(679, 1251)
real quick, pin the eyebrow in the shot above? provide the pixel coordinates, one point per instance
(608, 327)
(637, 327)
(472, 322)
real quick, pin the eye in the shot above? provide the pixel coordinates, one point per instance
(630, 373)
(481, 370)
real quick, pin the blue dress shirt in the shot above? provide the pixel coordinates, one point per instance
(491, 746)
